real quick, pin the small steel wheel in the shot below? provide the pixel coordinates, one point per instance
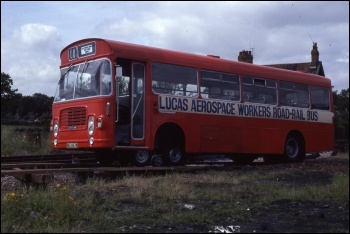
(157, 160)
(142, 158)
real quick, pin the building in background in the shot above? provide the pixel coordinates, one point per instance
(314, 66)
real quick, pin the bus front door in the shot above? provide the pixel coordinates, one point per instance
(138, 104)
(130, 117)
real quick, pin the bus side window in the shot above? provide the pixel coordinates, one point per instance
(320, 98)
(218, 85)
(293, 94)
(246, 98)
(215, 92)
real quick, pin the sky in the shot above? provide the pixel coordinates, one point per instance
(33, 33)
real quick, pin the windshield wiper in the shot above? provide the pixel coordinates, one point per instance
(62, 77)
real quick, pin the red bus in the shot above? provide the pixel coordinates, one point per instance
(133, 103)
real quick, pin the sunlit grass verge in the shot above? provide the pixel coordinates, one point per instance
(52, 210)
(140, 203)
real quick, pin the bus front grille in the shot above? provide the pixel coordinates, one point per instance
(74, 116)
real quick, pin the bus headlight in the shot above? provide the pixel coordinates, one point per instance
(55, 128)
(91, 125)
(55, 142)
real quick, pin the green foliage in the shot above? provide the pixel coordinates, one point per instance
(341, 114)
(204, 198)
(39, 209)
(14, 142)
(6, 91)
(15, 106)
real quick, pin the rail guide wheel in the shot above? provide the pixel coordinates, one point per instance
(157, 160)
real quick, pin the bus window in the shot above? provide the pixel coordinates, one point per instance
(106, 78)
(85, 80)
(259, 90)
(292, 94)
(175, 80)
(320, 98)
(124, 86)
(219, 86)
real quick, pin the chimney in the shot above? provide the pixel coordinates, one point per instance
(314, 55)
(245, 56)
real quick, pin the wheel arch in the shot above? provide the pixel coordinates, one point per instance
(169, 132)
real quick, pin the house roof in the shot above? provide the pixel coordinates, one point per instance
(313, 67)
(302, 67)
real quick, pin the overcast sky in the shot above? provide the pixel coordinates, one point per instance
(34, 33)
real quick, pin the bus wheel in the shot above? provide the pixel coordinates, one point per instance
(294, 150)
(142, 158)
(157, 160)
(174, 155)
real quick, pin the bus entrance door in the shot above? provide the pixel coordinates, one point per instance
(138, 104)
(130, 116)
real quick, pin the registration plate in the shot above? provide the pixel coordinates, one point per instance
(72, 145)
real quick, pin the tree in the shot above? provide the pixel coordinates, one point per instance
(9, 97)
(6, 91)
(341, 114)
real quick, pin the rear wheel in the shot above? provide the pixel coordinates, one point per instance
(294, 149)
(174, 155)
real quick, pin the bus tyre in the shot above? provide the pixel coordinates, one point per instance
(142, 158)
(157, 160)
(174, 155)
(294, 149)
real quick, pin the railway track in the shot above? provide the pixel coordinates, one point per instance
(66, 157)
(38, 169)
(35, 168)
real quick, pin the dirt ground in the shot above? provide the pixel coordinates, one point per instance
(286, 216)
(297, 217)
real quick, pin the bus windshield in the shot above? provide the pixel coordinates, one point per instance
(84, 80)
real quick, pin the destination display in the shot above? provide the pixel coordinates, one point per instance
(82, 51)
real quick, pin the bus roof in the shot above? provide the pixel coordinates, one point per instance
(112, 48)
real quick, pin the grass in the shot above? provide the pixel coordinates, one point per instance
(19, 143)
(143, 202)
